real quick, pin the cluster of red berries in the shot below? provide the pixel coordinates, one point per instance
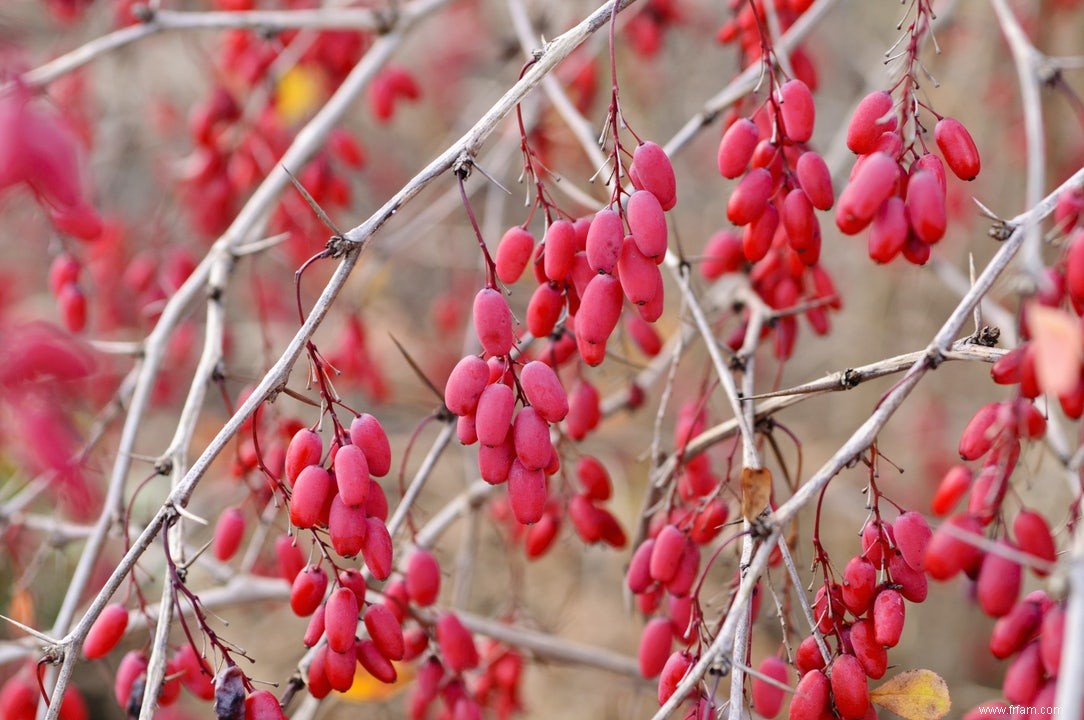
(782, 184)
(904, 207)
(747, 27)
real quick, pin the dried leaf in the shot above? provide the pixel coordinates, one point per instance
(1058, 350)
(756, 491)
(914, 695)
(299, 93)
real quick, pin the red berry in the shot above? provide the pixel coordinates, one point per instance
(305, 448)
(981, 431)
(493, 323)
(651, 168)
(312, 493)
(859, 585)
(912, 535)
(874, 181)
(604, 239)
(73, 307)
(229, 531)
(638, 577)
(368, 434)
(600, 309)
(808, 656)
(377, 549)
(639, 275)
(913, 585)
(957, 147)
(998, 583)
(544, 391)
(870, 120)
(493, 417)
(1051, 639)
(386, 632)
(106, 631)
(849, 688)
(810, 701)
(307, 591)
(888, 233)
(655, 641)
(722, 254)
(315, 629)
(889, 613)
(1024, 677)
(513, 253)
(750, 197)
(526, 493)
(667, 552)
(352, 475)
(544, 310)
(263, 705)
(768, 699)
(456, 644)
(954, 485)
(871, 654)
(926, 207)
(647, 223)
(816, 180)
(422, 578)
(465, 385)
(1033, 536)
(131, 668)
(758, 236)
(341, 619)
(341, 667)
(560, 250)
(675, 668)
(1013, 630)
(797, 110)
(736, 148)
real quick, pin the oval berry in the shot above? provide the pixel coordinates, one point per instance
(465, 385)
(926, 207)
(600, 310)
(1033, 536)
(352, 475)
(869, 121)
(810, 701)
(493, 322)
(815, 179)
(456, 644)
(312, 493)
(889, 613)
(513, 253)
(750, 197)
(305, 448)
(263, 705)
(544, 391)
(375, 663)
(722, 254)
(639, 275)
(544, 310)
(672, 672)
(912, 535)
(666, 556)
(377, 549)
(873, 183)
(797, 110)
(850, 690)
(341, 620)
(422, 578)
(647, 223)
(386, 632)
(999, 583)
(651, 168)
(493, 417)
(106, 631)
(604, 239)
(561, 247)
(957, 147)
(307, 591)
(736, 147)
(888, 232)
(768, 699)
(655, 641)
(367, 433)
(526, 493)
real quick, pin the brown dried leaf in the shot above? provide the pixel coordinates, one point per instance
(756, 491)
(914, 695)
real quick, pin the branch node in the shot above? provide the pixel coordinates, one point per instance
(462, 165)
(143, 13)
(850, 379)
(934, 358)
(986, 336)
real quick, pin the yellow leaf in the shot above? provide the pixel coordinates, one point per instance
(1059, 348)
(367, 688)
(298, 92)
(756, 491)
(914, 695)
